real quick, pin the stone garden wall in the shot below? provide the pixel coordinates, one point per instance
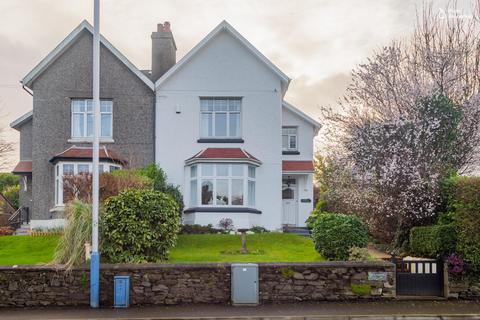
(156, 284)
(465, 287)
(326, 281)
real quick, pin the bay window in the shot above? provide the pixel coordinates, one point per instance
(63, 169)
(220, 117)
(222, 184)
(82, 118)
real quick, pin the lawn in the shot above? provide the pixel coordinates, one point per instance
(26, 250)
(267, 247)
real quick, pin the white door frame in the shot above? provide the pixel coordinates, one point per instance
(295, 201)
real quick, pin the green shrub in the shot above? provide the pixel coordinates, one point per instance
(198, 229)
(155, 173)
(433, 241)
(319, 209)
(7, 180)
(334, 235)
(258, 229)
(463, 195)
(70, 250)
(358, 254)
(139, 226)
(159, 178)
(12, 193)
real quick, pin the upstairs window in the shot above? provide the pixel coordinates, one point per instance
(220, 117)
(82, 118)
(289, 139)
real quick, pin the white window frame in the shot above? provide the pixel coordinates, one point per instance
(85, 117)
(58, 172)
(227, 112)
(200, 178)
(289, 148)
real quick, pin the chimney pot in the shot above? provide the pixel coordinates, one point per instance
(166, 26)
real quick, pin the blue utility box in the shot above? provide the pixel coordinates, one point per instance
(244, 284)
(121, 291)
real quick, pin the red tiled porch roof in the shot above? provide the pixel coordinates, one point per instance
(85, 153)
(24, 166)
(224, 153)
(295, 165)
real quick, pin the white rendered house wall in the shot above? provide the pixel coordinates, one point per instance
(224, 68)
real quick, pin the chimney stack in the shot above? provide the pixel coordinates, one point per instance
(163, 50)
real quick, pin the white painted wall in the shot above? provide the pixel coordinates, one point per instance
(224, 68)
(306, 133)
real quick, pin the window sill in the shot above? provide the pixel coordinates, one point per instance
(291, 152)
(86, 140)
(217, 140)
(222, 209)
(57, 209)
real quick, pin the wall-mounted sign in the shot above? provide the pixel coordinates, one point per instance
(377, 276)
(306, 200)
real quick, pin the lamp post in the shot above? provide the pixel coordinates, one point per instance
(95, 257)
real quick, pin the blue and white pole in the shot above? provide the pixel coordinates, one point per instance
(95, 257)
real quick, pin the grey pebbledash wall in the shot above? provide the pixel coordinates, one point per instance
(70, 76)
(156, 284)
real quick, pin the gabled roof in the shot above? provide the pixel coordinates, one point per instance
(297, 166)
(225, 26)
(213, 154)
(301, 115)
(22, 119)
(67, 42)
(85, 153)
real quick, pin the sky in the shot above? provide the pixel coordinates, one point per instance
(315, 42)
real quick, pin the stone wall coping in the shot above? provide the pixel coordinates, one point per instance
(198, 266)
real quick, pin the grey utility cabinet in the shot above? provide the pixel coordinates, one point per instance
(244, 284)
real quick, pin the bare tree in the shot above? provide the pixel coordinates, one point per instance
(5, 149)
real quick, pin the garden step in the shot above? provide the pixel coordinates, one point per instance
(23, 230)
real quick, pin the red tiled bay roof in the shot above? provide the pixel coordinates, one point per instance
(24, 166)
(224, 153)
(295, 165)
(85, 153)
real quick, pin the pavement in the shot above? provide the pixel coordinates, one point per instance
(364, 310)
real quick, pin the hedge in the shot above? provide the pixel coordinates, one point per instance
(433, 241)
(463, 195)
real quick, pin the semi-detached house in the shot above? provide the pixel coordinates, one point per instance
(215, 121)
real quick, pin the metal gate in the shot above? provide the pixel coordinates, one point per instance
(419, 277)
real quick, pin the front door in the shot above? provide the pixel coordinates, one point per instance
(289, 201)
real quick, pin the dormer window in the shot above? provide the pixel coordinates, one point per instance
(82, 118)
(289, 139)
(220, 118)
